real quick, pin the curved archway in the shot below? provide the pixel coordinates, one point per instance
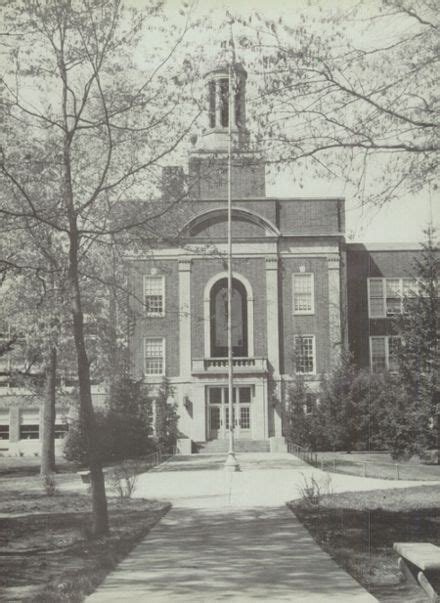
(218, 312)
(198, 223)
(243, 314)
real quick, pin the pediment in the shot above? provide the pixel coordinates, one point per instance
(213, 224)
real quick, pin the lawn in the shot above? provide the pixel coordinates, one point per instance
(46, 551)
(358, 530)
(376, 464)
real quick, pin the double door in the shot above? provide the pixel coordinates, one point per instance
(218, 412)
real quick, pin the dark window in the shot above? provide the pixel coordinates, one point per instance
(211, 102)
(224, 102)
(219, 319)
(4, 432)
(60, 430)
(29, 432)
(238, 116)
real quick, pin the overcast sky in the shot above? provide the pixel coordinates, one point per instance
(399, 221)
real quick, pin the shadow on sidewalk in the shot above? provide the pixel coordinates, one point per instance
(252, 554)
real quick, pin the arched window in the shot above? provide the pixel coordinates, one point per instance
(219, 319)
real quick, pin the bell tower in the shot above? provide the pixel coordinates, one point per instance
(215, 137)
(209, 153)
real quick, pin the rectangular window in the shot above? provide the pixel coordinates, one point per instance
(386, 296)
(4, 424)
(304, 347)
(384, 353)
(154, 295)
(303, 294)
(394, 296)
(154, 356)
(376, 298)
(29, 424)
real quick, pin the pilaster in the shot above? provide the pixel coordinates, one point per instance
(185, 318)
(334, 306)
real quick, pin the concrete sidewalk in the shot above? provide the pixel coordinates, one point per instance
(205, 555)
(231, 537)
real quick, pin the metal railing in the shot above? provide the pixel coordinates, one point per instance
(203, 365)
(375, 469)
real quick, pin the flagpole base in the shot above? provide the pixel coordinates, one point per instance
(231, 463)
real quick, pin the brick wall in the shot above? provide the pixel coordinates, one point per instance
(316, 324)
(361, 265)
(167, 327)
(252, 269)
(208, 177)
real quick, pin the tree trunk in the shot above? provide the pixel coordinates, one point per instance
(48, 436)
(86, 412)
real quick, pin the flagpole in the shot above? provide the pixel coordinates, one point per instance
(231, 463)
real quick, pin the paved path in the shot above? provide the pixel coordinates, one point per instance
(230, 537)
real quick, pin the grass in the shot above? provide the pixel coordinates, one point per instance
(358, 530)
(46, 549)
(379, 465)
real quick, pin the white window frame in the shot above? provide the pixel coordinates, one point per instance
(386, 339)
(154, 375)
(313, 338)
(312, 293)
(156, 278)
(385, 312)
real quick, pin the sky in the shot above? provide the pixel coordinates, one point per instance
(402, 220)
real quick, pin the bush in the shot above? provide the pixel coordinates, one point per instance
(123, 429)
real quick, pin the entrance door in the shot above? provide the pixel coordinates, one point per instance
(218, 412)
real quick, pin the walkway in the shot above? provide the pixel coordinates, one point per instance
(231, 537)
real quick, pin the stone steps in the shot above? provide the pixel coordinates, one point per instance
(222, 446)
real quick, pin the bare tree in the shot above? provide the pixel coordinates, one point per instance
(90, 114)
(353, 93)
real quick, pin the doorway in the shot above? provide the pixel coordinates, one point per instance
(218, 412)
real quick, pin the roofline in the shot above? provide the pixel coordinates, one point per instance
(398, 246)
(217, 199)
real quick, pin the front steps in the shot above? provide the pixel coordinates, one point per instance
(222, 446)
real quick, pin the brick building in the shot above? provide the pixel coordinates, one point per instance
(300, 293)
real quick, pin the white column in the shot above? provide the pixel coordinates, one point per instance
(334, 307)
(185, 318)
(273, 353)
(273, 345)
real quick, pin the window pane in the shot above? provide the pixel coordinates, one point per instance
(302, 293)
(245, 395)
(409, 287)
(304, 360)
(153, 350)
(215, 395)
(245, 417)
(378, 359)
(393, 353)
(376, 289)
(154, 294)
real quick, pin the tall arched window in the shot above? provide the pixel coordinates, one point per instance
(219, 319)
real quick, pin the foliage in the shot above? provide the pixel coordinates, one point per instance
(123, 429)
(97, 129)
(123, 479)
(49, 484)
(298, 425)
(166, 417)
(357, 92)
(313, 489)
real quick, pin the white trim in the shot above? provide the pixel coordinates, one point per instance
(237, 212)
(370, 314)
(154, 375)
(155, 277)
(303, 336)
(386, 339)
(206, 310)
(312, 294)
